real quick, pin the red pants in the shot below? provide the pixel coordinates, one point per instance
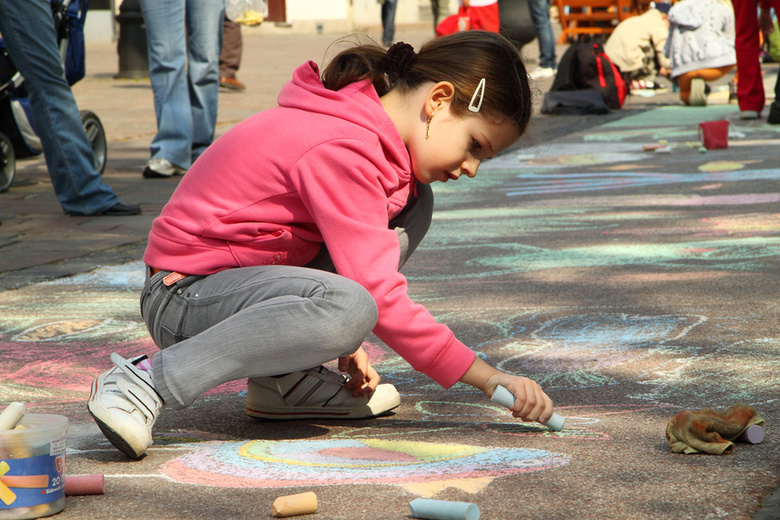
(750, 86)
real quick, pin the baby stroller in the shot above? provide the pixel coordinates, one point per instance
(18, 138)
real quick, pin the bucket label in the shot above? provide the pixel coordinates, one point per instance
(33, 481)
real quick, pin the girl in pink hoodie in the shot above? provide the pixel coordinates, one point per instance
(280, 249)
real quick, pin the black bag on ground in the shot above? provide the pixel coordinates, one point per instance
(585, 66)
(573, 102)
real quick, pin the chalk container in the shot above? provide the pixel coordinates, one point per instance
(32, 467)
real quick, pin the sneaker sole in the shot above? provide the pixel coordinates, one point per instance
(152, 174)
(118, 438)
(377, 409)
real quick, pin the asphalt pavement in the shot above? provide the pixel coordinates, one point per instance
(631, 284)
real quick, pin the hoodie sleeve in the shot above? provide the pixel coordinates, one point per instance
(345, 185)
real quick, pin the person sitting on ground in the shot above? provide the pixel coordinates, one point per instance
(636, 46)
(700, 46)
(280, 250)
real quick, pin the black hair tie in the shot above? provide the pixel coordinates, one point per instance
(400, 57)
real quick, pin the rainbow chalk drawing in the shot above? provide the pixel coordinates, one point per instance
(443, 510)
(421, 467)
(505, 398)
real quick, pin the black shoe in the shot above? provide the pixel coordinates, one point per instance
(120, 210)
(774, 114)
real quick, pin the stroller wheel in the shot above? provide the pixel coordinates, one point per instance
(97, 138)
(7, 162)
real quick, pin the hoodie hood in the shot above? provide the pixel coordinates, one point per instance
(364, 108)
(690, 14)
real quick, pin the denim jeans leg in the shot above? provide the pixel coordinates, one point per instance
(28, 31)
(388, 21)
(204, 30)
(165, 34)
(540, 16)
(251, 321)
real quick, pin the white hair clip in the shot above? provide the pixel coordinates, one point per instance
(480, 91)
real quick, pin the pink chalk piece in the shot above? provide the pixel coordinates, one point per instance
(752, 434)
(94, 484)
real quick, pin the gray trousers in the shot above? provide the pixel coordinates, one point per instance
(262, 321)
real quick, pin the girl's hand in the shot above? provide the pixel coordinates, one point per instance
(364, 379)
(531, 403)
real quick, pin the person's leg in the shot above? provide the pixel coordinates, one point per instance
(230, 56)
(28, 30)
(250, 322)
(540, 17)
(165, 34)
(750, 88)
(204, 40)
(388, 21)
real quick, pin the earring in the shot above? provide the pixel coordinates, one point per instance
(428, 127)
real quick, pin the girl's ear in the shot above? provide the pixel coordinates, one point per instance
(439, 96)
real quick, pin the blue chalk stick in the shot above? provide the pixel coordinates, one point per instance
(505, 398)
(443, 510)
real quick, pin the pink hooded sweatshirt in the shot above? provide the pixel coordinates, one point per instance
(324, 166)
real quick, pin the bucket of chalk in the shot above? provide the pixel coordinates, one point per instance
(32, 467)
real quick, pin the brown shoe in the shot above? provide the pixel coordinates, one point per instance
(231, 84)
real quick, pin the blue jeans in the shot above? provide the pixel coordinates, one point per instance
(388, 21)
(184, 38)
(540, 16)
(27, 27)
(262, 321)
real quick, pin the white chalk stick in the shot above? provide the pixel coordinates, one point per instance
(753, 434)
(505, 398)
(443, 510)
(11, 416)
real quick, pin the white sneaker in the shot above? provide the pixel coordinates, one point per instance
(125, 404)
(162, 168)
(749, 114)
(542, 73)
(698, 96)
(315, 394)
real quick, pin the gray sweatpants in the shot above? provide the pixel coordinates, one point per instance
(262, 321)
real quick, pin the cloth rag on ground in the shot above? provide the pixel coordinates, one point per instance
(708, 430)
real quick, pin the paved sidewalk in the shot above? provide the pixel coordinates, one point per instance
(632, 285)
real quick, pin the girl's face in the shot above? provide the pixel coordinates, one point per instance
(456, 145)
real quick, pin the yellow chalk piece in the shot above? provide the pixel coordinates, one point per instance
(433, 487)
(6, 495)
(292, 505)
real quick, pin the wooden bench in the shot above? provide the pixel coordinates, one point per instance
(588, 18)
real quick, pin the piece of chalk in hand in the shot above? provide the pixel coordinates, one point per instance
(293, 505)
(753, 434)
(11, 416)
(443, 510)
(505, 398)
(76, 485)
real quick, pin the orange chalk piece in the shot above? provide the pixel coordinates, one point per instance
(25, 481)
(76, 485)
(293, 505)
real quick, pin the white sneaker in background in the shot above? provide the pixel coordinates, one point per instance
(542, 73)
(162, 168)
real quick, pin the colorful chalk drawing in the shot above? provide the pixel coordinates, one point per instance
(409, 464)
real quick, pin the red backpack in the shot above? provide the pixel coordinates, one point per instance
(586, 66)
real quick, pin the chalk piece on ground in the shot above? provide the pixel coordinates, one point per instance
(11, 416)
(664, 149)
(753, 434)
(292, 505)
(505, 398)
(94, 484)
(650, 147)
(702, 149)
(443, 510)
